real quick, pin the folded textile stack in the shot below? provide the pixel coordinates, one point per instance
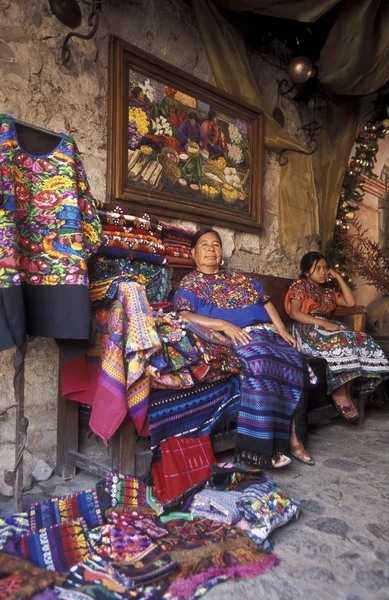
(130, 233)
(108, 272)
(177, 243)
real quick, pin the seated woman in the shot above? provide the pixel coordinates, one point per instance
(274, 376)
(352, 357)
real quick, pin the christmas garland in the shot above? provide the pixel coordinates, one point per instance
(362, 163)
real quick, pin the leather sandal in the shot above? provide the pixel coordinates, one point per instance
(298, 452)
(346, 410)
(282, 461)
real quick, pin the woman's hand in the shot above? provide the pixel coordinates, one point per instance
(290, 339)
(332, 274)
(328, 326)
(238, 335)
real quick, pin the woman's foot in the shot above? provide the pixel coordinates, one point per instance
(299, 453)
(280, 461)
(343, 402)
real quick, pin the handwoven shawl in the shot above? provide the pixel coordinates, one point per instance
(272, 386)
(191, 412)
(130, 341)
(56, 548)
(54, 511)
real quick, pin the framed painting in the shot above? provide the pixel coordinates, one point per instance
(180, 147)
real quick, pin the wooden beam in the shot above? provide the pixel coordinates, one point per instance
(124, 448)
(86, 463)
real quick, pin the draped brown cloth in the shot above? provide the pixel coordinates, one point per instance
(299, 10)
(354, 61)
(298, 211)
(355, 58)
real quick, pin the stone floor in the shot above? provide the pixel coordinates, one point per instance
(338, 549)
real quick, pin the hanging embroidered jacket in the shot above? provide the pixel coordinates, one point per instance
(48, 229)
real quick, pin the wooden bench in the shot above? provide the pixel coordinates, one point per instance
(130, 455)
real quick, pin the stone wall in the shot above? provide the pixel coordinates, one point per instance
(38, 89)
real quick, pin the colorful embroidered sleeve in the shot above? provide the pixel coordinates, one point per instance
(185, 300)
(263, 297)
(297, 291)
(90, 221)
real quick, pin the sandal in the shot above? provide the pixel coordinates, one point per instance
(345, 409)
(282, 461)
(298, 452)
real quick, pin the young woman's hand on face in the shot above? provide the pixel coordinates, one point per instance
(332, 274)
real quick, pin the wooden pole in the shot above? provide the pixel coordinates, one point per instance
(21, 426)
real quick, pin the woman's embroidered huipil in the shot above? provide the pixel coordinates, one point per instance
(229, 294)
(48, 229)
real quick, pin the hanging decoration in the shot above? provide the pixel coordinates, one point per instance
(362, 164)
(311, 100)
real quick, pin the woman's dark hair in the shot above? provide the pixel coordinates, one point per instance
(202, 232)
(192, 115)
(308, 261)
(211, 114)
(136, 91)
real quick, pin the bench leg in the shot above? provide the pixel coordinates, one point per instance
(124, 448)
(360, 405)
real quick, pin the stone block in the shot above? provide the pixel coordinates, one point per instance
(42, 471)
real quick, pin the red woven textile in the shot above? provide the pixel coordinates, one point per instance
(184, 462)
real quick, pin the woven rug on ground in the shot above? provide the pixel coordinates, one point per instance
(191, 412)
(125, 490)
(205, 550)
(264, 507)
(127, 535)
(21, 579)
(12, 528)
(149, 566)
(56, 548)
(81, 505)
(95, 578)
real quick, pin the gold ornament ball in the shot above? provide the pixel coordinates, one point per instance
(350, 215)
(300, 69)
(385, 123)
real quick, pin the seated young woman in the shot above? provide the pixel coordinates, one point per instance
(354, 359)
(274, 379)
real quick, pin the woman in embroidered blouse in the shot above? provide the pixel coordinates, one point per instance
(274, 376)
(354, 360)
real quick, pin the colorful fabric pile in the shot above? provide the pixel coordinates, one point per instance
(177, 242)
(127, 233)
(128, 551)
(190, 353)
(109, 272)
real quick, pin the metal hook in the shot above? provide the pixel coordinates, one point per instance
(93, 21)
(282, 160)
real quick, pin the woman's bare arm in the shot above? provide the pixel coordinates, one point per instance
(297, 315)
(276, 320)
(238, 335)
